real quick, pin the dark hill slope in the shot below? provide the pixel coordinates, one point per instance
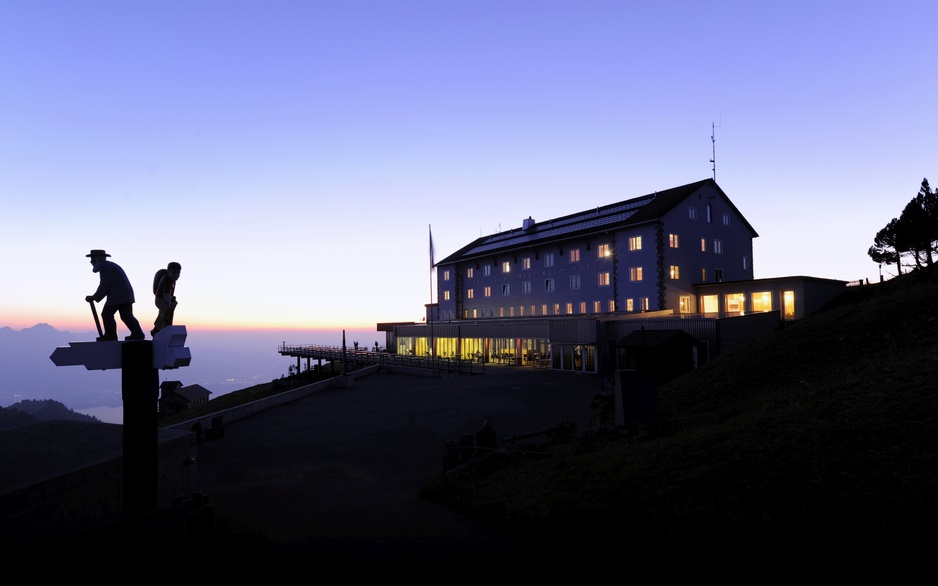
(822, 435)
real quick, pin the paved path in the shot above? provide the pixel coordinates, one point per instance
(337, 474)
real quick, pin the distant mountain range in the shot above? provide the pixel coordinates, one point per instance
(221, 362)
(28, 412)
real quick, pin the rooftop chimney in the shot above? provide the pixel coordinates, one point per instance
(528, 222)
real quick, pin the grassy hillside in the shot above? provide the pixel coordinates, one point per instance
(820, 435)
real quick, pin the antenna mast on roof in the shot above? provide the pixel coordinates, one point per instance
(713, 141)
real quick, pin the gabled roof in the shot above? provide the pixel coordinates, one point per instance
(193, 392)
(638, 210)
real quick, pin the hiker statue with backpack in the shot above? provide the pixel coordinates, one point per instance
(164, 289)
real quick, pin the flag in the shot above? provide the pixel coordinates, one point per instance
(431, 246)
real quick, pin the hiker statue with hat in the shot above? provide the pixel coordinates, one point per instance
(120, 298)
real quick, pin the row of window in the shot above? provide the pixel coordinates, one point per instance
(549, 309)
(635, 244)
(692, 214)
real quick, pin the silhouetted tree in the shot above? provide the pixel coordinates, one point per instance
(913, 234)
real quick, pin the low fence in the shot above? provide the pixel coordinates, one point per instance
(369, 357)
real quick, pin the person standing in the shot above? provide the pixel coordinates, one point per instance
(165, 292)
(120, 297)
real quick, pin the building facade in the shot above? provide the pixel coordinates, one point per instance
(562, 293)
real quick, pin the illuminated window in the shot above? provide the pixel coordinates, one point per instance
(549, 285)
(506, 289)
(526, 263)
(735, 303)
(684, 304)
(445, 295)
(470, 293)
(604, 279)
(630, 305)
(506, 267)
(511, 311)
(501, 312)
(612, 305)
(644, 304)
(548, 259)
(574, 281)
(703, 245)
(582, 307)
(521, 311)
(635, 274)
(675, 272)
(718, 247)
(526, 287)
(488, 291)
(710, 303)
(469, 273)
(556, 309)
(762, 301)
(703, 275)
(446, 275)
(487, 270)
(672, 240)
(635, 243)
(788, 304)
(603, 251)
(574, 255)
(597, 307)
(569, 309)
(692, 213)
(533, 310)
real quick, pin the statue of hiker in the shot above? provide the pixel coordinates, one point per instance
(120, 298)
(164, 290)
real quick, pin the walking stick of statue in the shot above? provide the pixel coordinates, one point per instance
(97, 323)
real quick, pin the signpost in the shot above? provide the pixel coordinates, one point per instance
(139, 362)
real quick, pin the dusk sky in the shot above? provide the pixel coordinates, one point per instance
(293, 155)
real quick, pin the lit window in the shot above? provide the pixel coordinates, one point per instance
(597, 307)
(604, 279)
(574, 281)
(684, 304)
(603, 251)
(644, 304)
(526, 287)
(582, 307)
(569, 309)
(469, 273)
(692, 213)
(672, 240)
(521, 311)
(635, 243)
(675, 272)
(445, 295)
(703, 245)
(506, 289)
(718, 247)
(501, 312)
(446, 275)
(526, 263)
(533, 310)
(710, 303)
(556, 309)
(488, 292)
(788, 304)
(630, 305)
(735, 303)
(548, 259)
(470, 293)
(544, 309)
(506, 267)
(612, 305)
(635, 274)
(549, 285)
(762, 301)
(511, 311)
(487, 270)
(703, 275)
(575, 255)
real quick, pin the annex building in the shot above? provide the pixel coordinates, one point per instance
(569, 293)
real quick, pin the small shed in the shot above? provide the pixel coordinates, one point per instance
(175, 398)
(660, 355)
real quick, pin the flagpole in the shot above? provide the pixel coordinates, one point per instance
(430, 351)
